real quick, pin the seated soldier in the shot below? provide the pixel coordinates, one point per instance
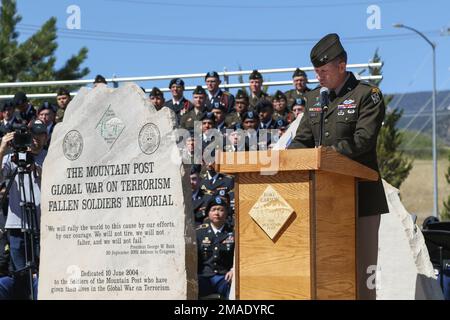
(199, 198)
(219, 114)
(280, 107)
(235, 139)
(299, 107)
(240, 107)
(215, 247)
(265, 112)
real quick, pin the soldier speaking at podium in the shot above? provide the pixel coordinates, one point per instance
(346, 114)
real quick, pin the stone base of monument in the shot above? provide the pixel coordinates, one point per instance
(116, 203)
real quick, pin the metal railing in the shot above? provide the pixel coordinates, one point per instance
(225, 74)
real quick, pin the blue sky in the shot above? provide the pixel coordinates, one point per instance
(157, 37)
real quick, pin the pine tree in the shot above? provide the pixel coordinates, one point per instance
(34, 59)
(445, 213)
(394, 165)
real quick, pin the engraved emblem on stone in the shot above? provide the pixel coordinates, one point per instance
(271, 212)
(110, 127)
(149, 138)
(72, 145)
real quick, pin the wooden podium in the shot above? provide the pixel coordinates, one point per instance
(310, 255)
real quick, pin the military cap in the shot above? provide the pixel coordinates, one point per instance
(38, 127)
(7, 104)
(279, 95)
(212, 74)
(237, 126)
(250, 115)
(156, 92)
(263, 104)
(177, 81)
(199, 90)
(208, 116)
(241, 94)
(217, 201)
(20, 98)
(299, 73)
(100, 79)
(255, 75)
(280, 123)
(47, 106)
(299, 102)
(327, 49)
(63, 92)
(216, 104)
(196, 168)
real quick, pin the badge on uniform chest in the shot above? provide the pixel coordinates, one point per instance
(347, 104)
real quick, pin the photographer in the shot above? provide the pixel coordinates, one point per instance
(29, 143)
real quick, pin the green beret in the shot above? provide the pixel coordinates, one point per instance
(326, 50)
(299, 73)
(255, 75)
(199, 90)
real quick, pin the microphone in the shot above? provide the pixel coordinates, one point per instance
(324, 101)
(324, 98)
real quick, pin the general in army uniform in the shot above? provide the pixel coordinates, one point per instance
(351, 126)
(240, 107)
(217, 96)
(299, 79)
(256, 86)
(188, 119)
(215, 247)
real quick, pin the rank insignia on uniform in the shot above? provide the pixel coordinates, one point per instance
(206, 241)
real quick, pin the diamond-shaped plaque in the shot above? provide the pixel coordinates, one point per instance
(110, 127)
(271, 212)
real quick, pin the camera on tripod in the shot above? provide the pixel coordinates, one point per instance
(23, 137)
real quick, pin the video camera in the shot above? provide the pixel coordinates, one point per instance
(23, 137)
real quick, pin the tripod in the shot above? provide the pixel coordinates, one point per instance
(29, 223)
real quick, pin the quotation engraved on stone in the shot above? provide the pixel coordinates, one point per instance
(110, 127)
(149, 138)
(72, 145)
(271, 212)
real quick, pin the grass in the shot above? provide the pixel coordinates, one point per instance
(417, 190)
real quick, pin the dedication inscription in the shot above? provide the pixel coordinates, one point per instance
(115, 221)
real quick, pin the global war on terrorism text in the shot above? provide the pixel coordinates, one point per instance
(85, 186)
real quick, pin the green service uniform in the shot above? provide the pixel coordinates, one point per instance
(351, 126)
(253, 100)
(292, 96)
